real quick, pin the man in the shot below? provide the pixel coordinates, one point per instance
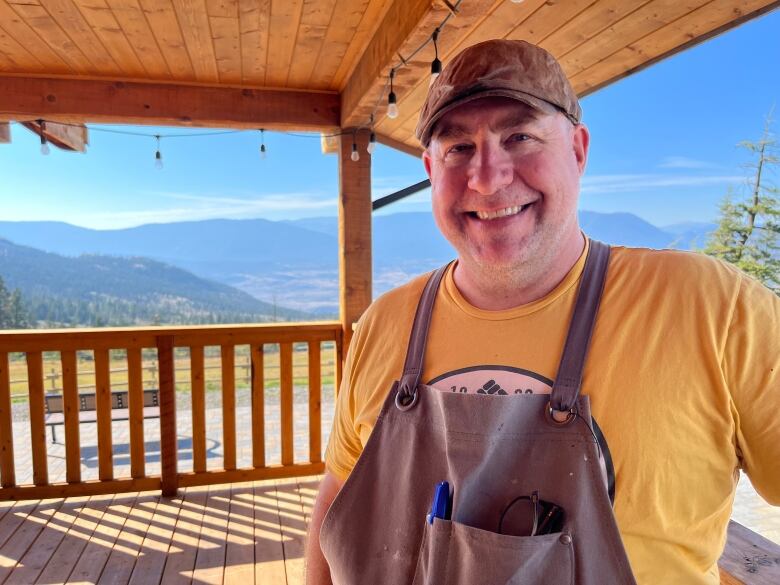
(679, 389)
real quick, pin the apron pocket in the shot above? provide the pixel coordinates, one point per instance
(456, 554)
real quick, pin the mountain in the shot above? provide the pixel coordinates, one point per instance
(115, 290)
(690, 235)
(294, 263)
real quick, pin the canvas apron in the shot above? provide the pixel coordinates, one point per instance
(491, 449)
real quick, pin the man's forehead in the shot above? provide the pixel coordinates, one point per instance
(498, 114)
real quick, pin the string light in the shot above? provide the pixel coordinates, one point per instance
(44, 143)
(158, 162)
(262, 144)
(436, 63)
(355, 154)
(517, 1)
(371, 143)
(392, 101)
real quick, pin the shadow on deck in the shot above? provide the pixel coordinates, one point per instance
(241, 533)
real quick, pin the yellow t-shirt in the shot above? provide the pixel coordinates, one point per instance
(683, 376)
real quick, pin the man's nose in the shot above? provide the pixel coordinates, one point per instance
(491, 169)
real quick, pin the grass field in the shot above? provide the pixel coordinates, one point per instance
(52, 368)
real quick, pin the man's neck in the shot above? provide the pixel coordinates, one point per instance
(513, 288)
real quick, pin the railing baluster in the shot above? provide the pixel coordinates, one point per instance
(37, 415)
(338, 358)
(258, 407)
(197, 376)
(168, 446)
(70, 407)
(103, 406)
(286, 400)
(315, 406)
(135, 397)
(7, 474)
(227, 353)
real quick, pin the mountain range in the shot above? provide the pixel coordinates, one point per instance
(289, 263)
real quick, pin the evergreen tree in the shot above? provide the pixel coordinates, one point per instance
(748, 233)
(13, 314)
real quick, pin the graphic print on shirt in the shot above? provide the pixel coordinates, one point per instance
(492, 379)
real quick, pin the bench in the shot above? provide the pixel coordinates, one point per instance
(55, 408)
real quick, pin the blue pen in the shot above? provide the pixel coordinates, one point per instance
(441, 506)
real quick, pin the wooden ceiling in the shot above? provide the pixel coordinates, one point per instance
(309, 64)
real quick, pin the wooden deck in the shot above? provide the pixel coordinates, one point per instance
(248, 533)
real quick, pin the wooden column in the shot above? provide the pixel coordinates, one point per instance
(354, 232)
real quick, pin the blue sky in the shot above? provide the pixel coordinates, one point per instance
(663, 147)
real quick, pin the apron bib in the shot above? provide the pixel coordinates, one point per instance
(508, 459)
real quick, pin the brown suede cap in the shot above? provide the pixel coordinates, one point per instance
(499, 67)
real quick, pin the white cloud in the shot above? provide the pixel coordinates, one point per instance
(641, 182)
(683, 162)
(202, 207)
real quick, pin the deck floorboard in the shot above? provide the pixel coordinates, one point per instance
(236, 534)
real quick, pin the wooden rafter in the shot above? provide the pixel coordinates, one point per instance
(74, 137)
(80, 100)
(406, 25)
(414, 151)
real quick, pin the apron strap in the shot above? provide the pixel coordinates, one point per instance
(568, 381)
(419, 337)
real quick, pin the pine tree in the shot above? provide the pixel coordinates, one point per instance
(748, 233)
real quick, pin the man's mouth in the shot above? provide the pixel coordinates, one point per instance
(506, 212)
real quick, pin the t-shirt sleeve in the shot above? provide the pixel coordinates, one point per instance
(344, 445)
(751, 364)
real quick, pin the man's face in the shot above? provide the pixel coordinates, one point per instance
(505, 182)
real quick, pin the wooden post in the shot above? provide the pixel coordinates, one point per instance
(7, 472)
(168, 448)
(354, 231)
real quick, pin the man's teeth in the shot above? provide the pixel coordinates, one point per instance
(500, 213)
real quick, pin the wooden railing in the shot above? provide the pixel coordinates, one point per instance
(68, 344)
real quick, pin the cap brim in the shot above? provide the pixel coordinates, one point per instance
(536, 103)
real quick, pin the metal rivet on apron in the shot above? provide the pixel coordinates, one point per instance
(551, 412)
(565, 539)
(404, 402)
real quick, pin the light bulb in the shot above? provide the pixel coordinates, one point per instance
(392, 105)
(517, 1)
(158, 163)
(371, 144)
(355, 154)
(44, 147)
(435, 69)
(262, 152)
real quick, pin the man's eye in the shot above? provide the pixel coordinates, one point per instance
(458, 148)
(519, 138)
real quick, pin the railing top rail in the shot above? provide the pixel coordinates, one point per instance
(127, 337)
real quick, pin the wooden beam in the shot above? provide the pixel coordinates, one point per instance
(76, 101)
(72, 137)
(354, 232)
(407, 24)
(5, 133)
(415, 151)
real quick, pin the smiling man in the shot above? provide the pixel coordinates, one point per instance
(545, 409)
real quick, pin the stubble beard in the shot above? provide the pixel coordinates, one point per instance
(532, 265)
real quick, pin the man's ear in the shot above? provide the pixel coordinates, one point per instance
(581, 143)
(427, 161)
